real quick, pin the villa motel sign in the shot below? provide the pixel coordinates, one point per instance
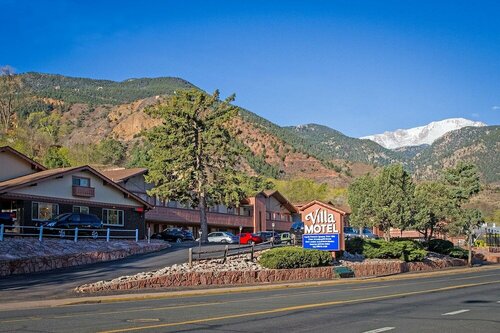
(321, 228)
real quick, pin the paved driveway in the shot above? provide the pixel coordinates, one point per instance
(59, 283)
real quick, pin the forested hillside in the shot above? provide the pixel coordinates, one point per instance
(100, 122)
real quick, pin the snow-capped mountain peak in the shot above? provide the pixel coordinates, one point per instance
(421, 135)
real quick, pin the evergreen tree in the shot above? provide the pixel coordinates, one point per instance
(193, 159)
(361, 200)
(433, 208)
(393, 199)
(464, 182)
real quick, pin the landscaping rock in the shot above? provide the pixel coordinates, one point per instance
(28, 255)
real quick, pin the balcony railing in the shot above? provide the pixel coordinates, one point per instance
(82, 191)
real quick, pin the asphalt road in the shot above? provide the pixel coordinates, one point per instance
(59, 283)
(458, 302)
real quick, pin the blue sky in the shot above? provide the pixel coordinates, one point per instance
(361, 67)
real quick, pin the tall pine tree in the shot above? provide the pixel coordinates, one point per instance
(192, 157)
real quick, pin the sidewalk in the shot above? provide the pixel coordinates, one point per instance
(11, 306)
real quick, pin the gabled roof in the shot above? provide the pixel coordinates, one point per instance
(122, 174)
(41, 176)
(278, 196)
(321, 203)
(34, 165)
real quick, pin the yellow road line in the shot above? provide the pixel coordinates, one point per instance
(297, 307)
(202, 304)
(177, 306)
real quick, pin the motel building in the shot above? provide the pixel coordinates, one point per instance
(35, 194)
(257, 213)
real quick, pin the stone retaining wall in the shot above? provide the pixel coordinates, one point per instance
(389, 267)
(102, 252)
(192, 279)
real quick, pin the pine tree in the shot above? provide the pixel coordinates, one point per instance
(393, 199)
(192, 157)
(433, 208)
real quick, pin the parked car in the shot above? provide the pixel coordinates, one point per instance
(62, 223)
(171, 235)
(286, 238)
(188, 235)
(249, 238)
(352, 232)
(223, 237)
(7, 219)
(368, 233)
(296, 232)
(267, 236)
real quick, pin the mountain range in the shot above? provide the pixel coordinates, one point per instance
(422, 135)
(92, 110)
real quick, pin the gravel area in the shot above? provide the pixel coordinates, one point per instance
(28, 248)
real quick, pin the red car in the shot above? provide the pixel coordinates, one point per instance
(249, 238)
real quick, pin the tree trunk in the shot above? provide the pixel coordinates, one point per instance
(203, 219)
(469, 259)
(387, 233)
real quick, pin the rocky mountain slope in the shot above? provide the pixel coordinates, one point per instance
(92, 110)
(422, 135)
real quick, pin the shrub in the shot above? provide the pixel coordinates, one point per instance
(354, 245)
(480, 243)
(458, 252)
(440, 246)
(294, 257)
(407, 250)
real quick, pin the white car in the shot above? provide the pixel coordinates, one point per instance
(222, 237)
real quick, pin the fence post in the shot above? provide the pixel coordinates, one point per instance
(40, 235)
(190, 258)
(1, 232)
(108, 232)
(225, 254)
(75, 239)
(136, 235)
(251, 256)
(149, 235)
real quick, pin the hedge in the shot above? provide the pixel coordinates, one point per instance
(440, 246)
(458, 252)
(294, 257)
(406, 250)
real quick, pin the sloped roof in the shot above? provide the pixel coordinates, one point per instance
(278, 196)
(23, 181)
(35, 165)
(119, 175)
(321, 203)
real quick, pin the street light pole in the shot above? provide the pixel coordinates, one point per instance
(272, 238)
(199, 245)
(241, 228)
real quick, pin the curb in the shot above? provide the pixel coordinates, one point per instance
(219, 291)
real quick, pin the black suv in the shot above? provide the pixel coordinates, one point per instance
(7, 219)
(296, 232)
(171, 235)
(72, 221)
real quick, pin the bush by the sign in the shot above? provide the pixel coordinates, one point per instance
(405, 250)
(294, 257)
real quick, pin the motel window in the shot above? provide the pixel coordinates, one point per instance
(81, 209)
(81, 181)
(42, 211)
(112, 217)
